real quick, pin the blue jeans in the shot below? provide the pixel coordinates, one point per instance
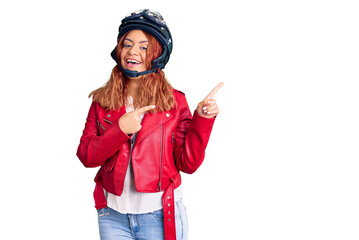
(148, 226)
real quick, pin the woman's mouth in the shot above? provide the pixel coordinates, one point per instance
(132, 63)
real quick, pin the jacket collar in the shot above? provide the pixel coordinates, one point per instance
(114, 115)
(151, 122)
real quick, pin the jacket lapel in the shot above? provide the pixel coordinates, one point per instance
(151, 122)
(113, 116)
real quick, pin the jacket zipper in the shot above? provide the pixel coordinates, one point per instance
(100, 125)
(159, 182)
(128, 162)
(107, 121)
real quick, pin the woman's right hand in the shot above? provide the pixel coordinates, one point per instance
(131, 122)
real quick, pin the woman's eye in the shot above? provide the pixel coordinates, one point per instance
(144, 48)
(126, 45)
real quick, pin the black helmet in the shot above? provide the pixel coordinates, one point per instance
(152, 23)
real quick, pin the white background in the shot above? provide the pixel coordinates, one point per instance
(282, 161)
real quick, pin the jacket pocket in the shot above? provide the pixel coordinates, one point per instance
(101, 128)
(109, 164)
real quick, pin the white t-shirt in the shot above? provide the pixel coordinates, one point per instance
(132, 201)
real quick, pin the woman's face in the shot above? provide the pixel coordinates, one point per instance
(133, 54)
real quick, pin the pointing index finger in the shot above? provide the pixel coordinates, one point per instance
(145, 109)
(214, 91)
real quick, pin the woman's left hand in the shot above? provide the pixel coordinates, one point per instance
(208, 107)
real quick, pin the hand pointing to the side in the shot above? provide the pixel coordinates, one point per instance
(208, 108)
(131, 122)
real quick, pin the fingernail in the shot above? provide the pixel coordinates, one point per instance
(204, 108)
(208, 113)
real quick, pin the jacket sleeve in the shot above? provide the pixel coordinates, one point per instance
(191, 139)
(93, 149)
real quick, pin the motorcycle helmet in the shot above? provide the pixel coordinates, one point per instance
(152, 23)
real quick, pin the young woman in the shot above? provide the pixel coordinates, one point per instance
(141, 132)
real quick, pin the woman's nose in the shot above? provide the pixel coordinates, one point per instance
(134, 50)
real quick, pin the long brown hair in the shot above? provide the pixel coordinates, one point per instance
(154, 88)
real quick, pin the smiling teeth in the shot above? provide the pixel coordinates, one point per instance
(132, 61)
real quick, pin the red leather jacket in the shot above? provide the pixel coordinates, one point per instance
(167, 143)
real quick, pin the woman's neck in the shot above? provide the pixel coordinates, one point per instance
(133, 88)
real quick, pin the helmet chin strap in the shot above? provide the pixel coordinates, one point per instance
(134, 74)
